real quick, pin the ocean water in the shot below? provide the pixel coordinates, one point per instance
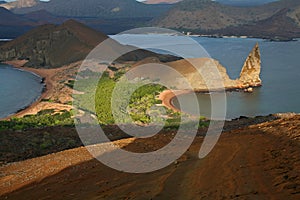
(280, 74)
(18, 89)
(280, 70)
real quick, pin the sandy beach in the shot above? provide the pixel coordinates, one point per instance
(167, 96)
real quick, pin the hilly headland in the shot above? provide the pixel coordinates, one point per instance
(57, 51)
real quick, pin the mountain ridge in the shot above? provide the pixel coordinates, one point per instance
(208, 17)
(53, 46)
(111, 17)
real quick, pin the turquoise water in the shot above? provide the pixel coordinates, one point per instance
(18, 89)
(280, 71)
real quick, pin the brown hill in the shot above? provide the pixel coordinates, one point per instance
(53, 45)
(209, 17)
(256, 162)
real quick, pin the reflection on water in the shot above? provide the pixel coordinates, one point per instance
(237, 103)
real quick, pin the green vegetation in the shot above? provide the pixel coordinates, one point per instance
(143, 103)
(141, 106)
(103, 100)
(44, 118)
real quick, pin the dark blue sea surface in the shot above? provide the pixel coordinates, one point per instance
(18, 89)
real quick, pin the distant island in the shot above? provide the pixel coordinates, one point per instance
(278, 20)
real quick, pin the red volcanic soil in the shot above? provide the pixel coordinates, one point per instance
(256, 162)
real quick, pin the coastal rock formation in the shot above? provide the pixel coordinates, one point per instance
(250, 74)
(251, 69)
(200, 74)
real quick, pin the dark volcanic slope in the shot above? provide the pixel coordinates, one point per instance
(9, 18)
(52, 45)
(258, 162)
(205, 16)
(43, 17)
(12, 25)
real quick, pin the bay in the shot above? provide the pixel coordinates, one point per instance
(280, 70)
(18, 89)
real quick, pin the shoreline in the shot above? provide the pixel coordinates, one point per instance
(18, 64)
(270, 39)
(167, 96)
(47, 79)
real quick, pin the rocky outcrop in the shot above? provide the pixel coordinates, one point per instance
(250, 74)
(201, 74)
